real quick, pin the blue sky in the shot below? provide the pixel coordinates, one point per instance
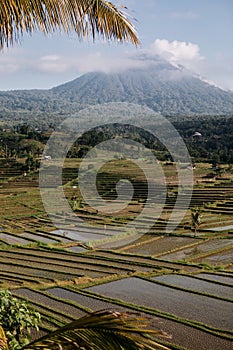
(194, 33)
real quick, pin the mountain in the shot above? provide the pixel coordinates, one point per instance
(160, 86)
(155, 84)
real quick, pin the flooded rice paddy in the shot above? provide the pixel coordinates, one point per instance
(202, 248)
(163, 244)
(81, 236)
(216, 313)
(218, 278)
(194, 284)
(10, 239)
(48, 301)
(38, 238)
(191, 338)
(195, 339)
(220, 228)
(91, 303)
(219, 258)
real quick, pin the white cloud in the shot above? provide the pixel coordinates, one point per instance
(83, 63)
(51, 69)
(50, 58)
(178, 52)
(175, 52)
(8, 67)
(52, 64)
(187, 54)
(217, 70)
(11, 61)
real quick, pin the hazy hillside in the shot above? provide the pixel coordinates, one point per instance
(159, 85)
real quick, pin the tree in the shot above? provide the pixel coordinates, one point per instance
(31, 163)
(196, 219)
(24, 129)
(16, 319)
(85, 17)
(29, 146)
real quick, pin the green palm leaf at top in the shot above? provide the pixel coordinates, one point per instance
(102, 330)
(95, 17)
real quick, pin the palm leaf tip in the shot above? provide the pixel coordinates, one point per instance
(3, 340)
(102, 330)
(95, 17)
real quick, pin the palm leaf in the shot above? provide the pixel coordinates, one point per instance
(3, 340)
(101, 330)
(95, 17)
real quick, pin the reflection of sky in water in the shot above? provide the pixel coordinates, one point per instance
(195, 284)
(221, 228)
(12, 239)
(199, 249)
(80, 236)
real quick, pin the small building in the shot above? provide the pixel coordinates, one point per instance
(47, 158)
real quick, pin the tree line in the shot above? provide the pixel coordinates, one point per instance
(207, 139)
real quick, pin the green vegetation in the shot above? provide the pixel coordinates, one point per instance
(17, 320)
(187, 96)
(37, 259)
(213, 143)
(51, 269)
(112, 329)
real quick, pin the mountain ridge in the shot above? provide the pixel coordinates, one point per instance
(158, 85)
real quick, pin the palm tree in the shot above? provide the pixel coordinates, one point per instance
(95, 17)
(97, 331)
(196, 219)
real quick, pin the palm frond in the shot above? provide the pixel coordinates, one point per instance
(101, 330)
(3, 340)
(95, 17)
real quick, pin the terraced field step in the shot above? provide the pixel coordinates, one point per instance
(14, 278)
(48, 302)
(42, 273)
(71, 263)
(196, 338)
(224, 279)
(80, 299)
(10, 238)
(220, 258)
(168, 299)
(203, 249)
(147, 261)
(20, 183)
(47, 269)
(160, 245)
(220, 209)
(189, 283)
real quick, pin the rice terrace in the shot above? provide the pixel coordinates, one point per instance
(182, 280)
(116, 175)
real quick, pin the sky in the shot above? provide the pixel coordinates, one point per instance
(197, 34)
